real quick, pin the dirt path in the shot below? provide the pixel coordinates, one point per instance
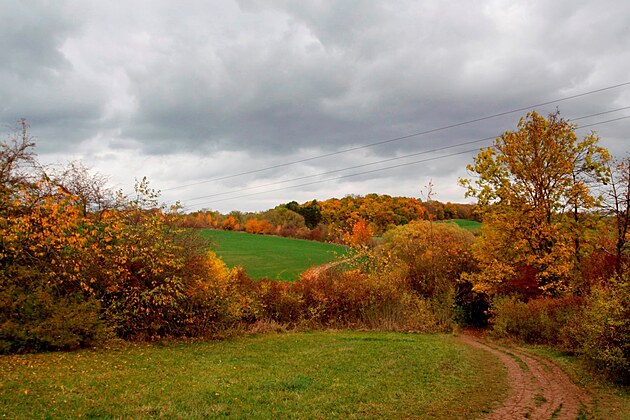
(319, 269)
(538, 388)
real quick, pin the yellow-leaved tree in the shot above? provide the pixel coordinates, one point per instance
(534, 191)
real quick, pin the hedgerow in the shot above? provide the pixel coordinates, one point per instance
(73, 270)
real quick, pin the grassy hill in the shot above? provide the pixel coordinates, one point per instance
(271, 256)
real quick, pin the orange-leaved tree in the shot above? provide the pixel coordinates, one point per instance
(361, 234)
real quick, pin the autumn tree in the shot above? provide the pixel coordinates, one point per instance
(361, 235)
(533, 188)
(230, 223)
(44, 301)
(258, 226)
(73, 270)
(380, 211)
(432, 255)
(18, 168)
(284, 217)
(618, 206)
(90, 189)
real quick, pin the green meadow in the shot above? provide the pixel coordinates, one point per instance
(470, 225)
(293, 375)
(273, 257)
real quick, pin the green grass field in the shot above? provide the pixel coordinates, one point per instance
(470, 225)
(273, 257)
(296, 375)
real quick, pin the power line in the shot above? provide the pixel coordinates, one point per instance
(390, 167)
(391, 140)
(424, 152)
(400, 165)
(466, 143)
(598, 114)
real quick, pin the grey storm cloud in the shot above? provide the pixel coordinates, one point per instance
(272, 79)
(334, 73)
(37, 81)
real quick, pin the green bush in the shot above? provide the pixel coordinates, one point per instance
(40, 320)
(601, 330)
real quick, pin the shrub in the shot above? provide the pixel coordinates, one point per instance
(341, 299)
(71, 269)
(601, 330)
(537, 321)
(334, 297)
(45, 302)
(410, 313)
(38, 320)
(432, 255)
(215, 302)
(280, 302)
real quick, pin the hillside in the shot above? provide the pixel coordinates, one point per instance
(271, 256)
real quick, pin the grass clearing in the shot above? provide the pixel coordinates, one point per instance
(470, 225)
(610, 401)
(273, 257)
(299, 375)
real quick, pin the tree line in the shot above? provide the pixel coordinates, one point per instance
(333, 219)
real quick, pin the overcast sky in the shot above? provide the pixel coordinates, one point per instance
(185, 92)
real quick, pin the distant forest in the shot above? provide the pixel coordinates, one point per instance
(332, 219)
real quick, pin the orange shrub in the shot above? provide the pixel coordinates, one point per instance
(261, 227)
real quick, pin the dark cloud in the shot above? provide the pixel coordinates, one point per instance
(135, 86)
(31, 35)
(38, 82)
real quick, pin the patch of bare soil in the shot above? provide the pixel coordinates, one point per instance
(316, 271)
(538, 388)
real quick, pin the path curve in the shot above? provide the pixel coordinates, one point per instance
(317, 270)
(539, 389)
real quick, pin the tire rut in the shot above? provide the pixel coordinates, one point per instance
(539, 389)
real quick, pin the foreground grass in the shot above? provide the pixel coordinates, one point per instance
(610, 401)
(300, 375)
(273, 257)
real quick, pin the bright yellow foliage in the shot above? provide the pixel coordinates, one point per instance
(533, 189)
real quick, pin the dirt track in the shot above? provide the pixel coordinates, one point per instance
(538, 388)
(319, 269)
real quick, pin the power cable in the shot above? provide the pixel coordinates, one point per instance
(400, 165)
(386, 168)
(433, 130)
(386, 160)
(424, 152)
